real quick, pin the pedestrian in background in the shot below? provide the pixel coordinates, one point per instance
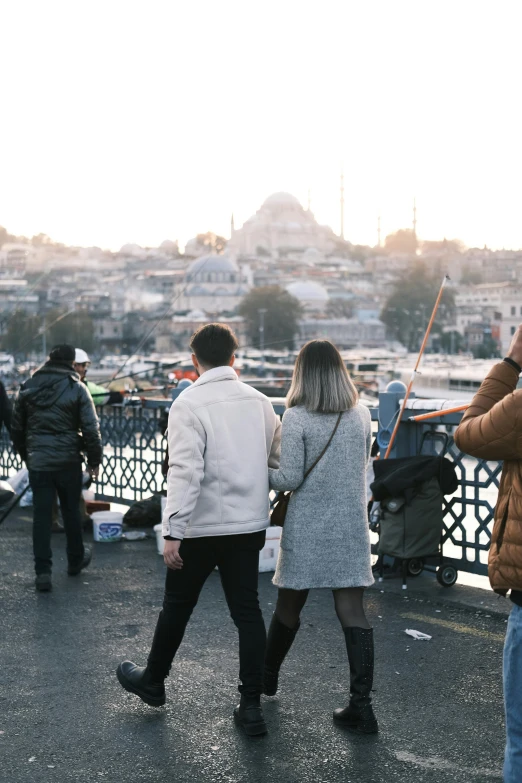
(5, 409)
(222, 436)
(54, 422)
(325, 450)
(99, 394)
(491, 429)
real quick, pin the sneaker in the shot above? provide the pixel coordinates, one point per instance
(75, 570)
(43, 583)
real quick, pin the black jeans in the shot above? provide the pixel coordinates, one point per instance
(237, 558)
(45, 484)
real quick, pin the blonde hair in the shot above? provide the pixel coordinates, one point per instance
(321, 382)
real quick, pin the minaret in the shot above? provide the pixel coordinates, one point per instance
(378, 231)
(342, 203)
(232, 228)
(414, 218)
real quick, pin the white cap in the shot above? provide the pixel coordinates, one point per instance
(81, 357)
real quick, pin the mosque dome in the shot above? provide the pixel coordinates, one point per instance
(281, 200)
(213, 268)
(169, 245)
(308, 291)
(131, 250)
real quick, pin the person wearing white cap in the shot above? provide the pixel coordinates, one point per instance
(99, 394)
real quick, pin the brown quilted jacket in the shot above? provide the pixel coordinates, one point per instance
(491, 429)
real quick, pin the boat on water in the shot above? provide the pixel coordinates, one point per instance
(447, 377)
(439, 377)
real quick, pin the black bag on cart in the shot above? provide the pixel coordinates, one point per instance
(411, 493)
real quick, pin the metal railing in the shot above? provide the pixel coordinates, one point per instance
(134, 449)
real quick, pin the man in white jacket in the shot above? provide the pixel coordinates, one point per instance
(222, 437)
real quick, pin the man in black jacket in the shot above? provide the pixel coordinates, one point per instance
(5, 409)
(53, 422)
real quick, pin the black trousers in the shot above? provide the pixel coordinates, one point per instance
(237, 558)
(45, 484)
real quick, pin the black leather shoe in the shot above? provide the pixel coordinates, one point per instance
(75, 570)
(362, 719)
(137, 679)
(249, 716)
(43, 583)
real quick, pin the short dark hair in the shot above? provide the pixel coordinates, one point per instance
(63, 353)
(214, 344)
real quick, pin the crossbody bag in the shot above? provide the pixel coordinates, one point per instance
(280, 508)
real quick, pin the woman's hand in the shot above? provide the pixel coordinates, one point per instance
(171, 555)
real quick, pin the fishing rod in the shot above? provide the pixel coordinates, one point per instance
(415, 371)
(436, 414)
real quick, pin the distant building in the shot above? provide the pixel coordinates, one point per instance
(500, 303)
(108, 333)
(14, 258)
(511, 310)
(162, 282)
(212, 283)
(281, 224)
(312, 295)
(344, 332)
(96, 303)
(174, 334)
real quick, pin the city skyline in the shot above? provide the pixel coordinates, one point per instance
(128, 126)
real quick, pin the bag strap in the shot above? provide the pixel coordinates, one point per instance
(321, 455)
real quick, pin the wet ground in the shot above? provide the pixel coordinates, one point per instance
(64, 717)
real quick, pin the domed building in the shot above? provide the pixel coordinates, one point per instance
(131, 250)
(280, 225)
(312, 296)
(213, 284)
(169, 246)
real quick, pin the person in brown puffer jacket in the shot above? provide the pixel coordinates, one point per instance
(491, 429)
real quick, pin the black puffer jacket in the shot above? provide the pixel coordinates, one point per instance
(54, 420)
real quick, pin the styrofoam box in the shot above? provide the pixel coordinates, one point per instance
(160, 541)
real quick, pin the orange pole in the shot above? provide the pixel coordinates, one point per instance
(412, 379)
(434, 414)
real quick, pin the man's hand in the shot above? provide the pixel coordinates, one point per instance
(515, 349)
(171, 555)
(95, 472)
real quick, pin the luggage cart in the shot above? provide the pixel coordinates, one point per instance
(412, 532)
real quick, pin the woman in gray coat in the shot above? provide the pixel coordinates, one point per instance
(325, 541)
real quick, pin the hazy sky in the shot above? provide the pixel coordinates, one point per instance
(125, 121)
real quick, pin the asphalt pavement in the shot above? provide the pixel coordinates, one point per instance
(64, 717)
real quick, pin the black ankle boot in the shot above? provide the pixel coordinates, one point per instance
(279, 641)
(138, 680)
(359, 715)
(250, 716)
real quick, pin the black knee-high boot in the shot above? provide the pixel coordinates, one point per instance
(279, 641)
(359, 715)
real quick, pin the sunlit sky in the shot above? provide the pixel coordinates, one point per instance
(125, 121)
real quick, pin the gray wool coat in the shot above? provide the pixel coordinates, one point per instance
(325, 540)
